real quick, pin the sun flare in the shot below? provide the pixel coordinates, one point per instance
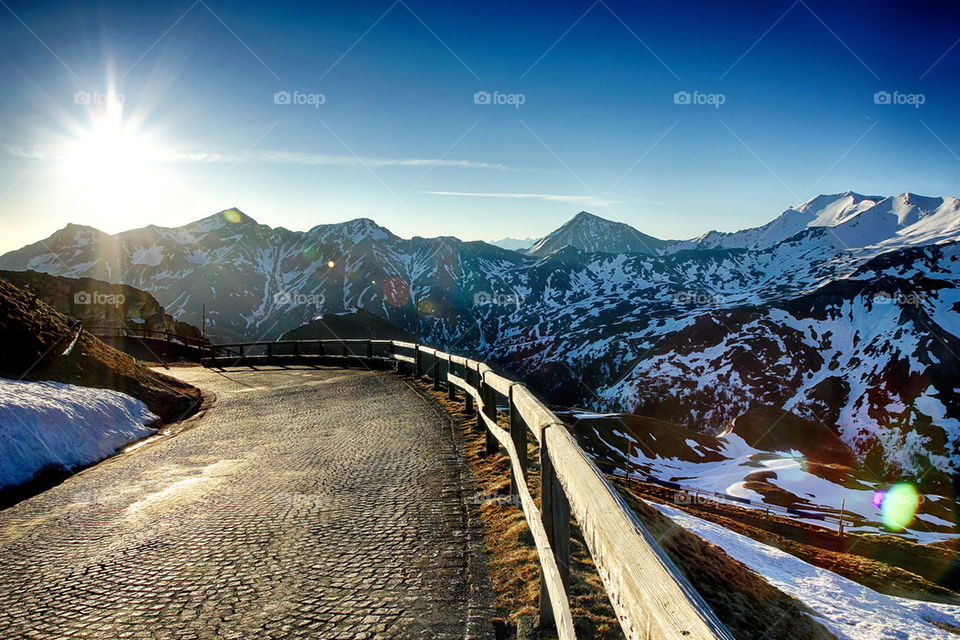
(111, 163)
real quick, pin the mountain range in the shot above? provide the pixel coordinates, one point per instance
(842, 310)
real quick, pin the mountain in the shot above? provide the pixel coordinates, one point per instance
(514, 244)
(356, 324)
(591, 233)
(842, 311)
(855, 220)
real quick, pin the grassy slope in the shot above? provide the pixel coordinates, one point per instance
(34, 337)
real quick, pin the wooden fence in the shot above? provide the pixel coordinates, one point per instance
(137, 332)
(653, 600)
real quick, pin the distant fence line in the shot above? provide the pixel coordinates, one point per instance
(155, 334)
(650, 595)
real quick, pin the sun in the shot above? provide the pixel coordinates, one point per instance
(111, 164)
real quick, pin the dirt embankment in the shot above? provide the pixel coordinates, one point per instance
(35, 339)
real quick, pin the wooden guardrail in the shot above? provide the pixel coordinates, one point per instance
(137, 332)
(653, 600)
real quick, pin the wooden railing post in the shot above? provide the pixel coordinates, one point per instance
(269, 349)
(369, 348)
(436, 371)
(320, 348)
(417, 361)
(518, 433)
(451, 390)
(296, 349)
(555, 510)
(344, 350)
(488, 398)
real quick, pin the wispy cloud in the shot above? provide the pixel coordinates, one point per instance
(271, 157)
(552, 197)
(310, 159)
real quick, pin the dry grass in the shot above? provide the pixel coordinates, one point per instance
(512, 561)
(748, 605)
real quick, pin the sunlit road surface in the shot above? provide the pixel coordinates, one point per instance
(304, 503)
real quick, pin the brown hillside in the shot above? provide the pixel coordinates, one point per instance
(34, 339)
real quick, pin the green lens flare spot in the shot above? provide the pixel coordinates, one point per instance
(900, 505)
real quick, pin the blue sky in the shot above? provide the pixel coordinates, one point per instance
(400, 138)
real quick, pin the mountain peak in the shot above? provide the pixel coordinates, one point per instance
(591, 233)
(231, 217)
(586, 215)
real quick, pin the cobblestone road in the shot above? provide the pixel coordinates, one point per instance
(305, 503)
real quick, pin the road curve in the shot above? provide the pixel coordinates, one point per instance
(314, 503)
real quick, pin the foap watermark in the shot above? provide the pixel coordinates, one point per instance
(685, 497)
(511, 99)
(299, 98)
(896, 97)
(97, 98)
(484, 298)
(480, 498)
(712, 99)
(899, 298)
(97, 298)
(294, 299)
(696, 298)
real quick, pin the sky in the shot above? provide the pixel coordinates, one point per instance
(474, 119)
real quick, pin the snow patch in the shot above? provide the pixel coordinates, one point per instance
(64, 425)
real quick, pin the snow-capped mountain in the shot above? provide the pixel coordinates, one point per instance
(591, 233)
(514, 244)
(855, 220)
(842, 310)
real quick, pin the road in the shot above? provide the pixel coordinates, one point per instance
(320, 503)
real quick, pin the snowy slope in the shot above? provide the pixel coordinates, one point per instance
(850, 610)
(45, 424)
(856, 222)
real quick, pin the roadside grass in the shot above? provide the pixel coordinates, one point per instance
(750, 607)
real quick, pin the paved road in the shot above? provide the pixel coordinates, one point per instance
(304, 503)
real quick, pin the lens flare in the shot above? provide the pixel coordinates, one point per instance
(900, 503)
(232, 216)
(331, 264)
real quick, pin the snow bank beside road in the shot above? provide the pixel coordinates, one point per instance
(851, 610)
(51, 423)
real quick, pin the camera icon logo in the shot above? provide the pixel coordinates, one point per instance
(682, 97)
(281, 97)
(482, 97)
(881, 97)
(82, 297)
(81, 97)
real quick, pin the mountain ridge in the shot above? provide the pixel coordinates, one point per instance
(612, 330)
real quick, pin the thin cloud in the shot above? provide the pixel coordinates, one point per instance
(551, 197)
(314, 159)
(272, 157)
